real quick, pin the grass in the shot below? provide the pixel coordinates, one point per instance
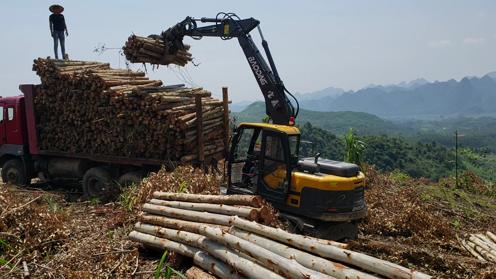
(128, 197)
(53, 205)
(95, 201)
(169, 271)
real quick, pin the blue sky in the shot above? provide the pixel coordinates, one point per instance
(315, 44)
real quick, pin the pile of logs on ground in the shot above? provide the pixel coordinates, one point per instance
(154, 51)
(481, 246)
(88, 107)
(218, 234)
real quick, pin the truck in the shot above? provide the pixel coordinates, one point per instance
(21, 158)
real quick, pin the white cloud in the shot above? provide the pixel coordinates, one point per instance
(475, 41)
(440, 44)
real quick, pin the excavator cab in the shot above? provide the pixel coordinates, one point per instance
(261, 160)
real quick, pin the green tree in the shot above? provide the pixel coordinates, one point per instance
(354, 148)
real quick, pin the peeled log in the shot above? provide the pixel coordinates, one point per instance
(245, 212)
(482, 240)
(200, 257)
(189, 215)
(471, 250)
(363, 261)
(482, 249)
(306, 259)
(491, 235)
(175, 223)
(197, 273)
(286, 267)
(227, 255)
(248, 200)
(216, 267)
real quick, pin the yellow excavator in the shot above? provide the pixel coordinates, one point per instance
(317, 196)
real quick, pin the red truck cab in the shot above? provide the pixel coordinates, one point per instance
(13, 140)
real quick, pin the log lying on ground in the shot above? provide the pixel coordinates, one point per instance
(286, 267)
(200, 257)
(203, 217)
(254, 201)
(363, 261)
(491, 236)
(467, 247)
(306, 259)
(249, 213)
(89, 108)
(176, 224)
(483, 247)
(229, 256)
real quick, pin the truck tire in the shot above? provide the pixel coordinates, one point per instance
(98, 183)
(130, 178)
(13, 172)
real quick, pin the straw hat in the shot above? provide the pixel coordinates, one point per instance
(56, 9)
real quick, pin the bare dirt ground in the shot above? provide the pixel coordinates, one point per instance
(411, 222)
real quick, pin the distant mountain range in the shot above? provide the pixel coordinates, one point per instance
(417, 99)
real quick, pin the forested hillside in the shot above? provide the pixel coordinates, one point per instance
(388, 153)
(335, 122)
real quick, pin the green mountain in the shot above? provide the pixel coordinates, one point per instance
(335, 122)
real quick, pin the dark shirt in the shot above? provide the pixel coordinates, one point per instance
(58, 22)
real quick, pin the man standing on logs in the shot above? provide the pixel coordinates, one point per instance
(57, 28)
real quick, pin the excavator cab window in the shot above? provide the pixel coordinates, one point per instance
(243, 163)
(294, 147)
(274, 181)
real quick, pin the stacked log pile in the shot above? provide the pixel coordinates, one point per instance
(154, 51)
(481, 246)
(220, 236)
(90, 108)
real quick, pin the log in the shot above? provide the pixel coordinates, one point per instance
(248, 200)
(204, 217)
(197, 273)
(487, 241)
(174, 223)
(229, 256)
(288, 268)
(471, 250)
(308, 260)
(483, 252)
(90, 108)
(491, 236)
(200, 258)
(216, 267)
(249, 213)
(363, 261)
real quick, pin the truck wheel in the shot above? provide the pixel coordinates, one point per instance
(13, 173)
(130, 178)
(99, 184)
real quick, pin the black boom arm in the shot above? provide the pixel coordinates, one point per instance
(277, 105)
